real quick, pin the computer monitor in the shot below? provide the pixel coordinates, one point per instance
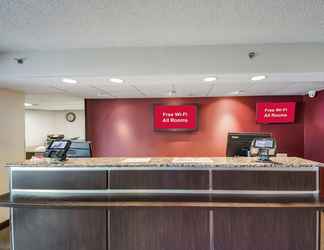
(79, 149)
(238, 144)
(57, 149)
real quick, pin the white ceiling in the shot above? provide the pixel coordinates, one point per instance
(58, 101)
(62, 24)
(157, 46)
(52, 93)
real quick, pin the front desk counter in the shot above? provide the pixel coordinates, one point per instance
(165, 204)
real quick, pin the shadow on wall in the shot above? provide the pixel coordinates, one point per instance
(314, 127)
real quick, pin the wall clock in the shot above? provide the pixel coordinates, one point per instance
(70, 117)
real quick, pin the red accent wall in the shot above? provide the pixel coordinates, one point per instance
(314, 130)
(124, 127)
(314, 127)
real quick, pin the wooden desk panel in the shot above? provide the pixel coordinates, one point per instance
(161, 179)
(59, 229)
(159, 229)
(59, 179)
(265, 229)
(265, 180)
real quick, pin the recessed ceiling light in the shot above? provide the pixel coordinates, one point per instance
(258, 78)
(210, 79)
(26, 104)
(69, 80)
(116, 80)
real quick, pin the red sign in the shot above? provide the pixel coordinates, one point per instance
(175, 118)
(276, 112)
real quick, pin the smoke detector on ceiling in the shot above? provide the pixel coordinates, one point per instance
(20, 60)
(252, 55)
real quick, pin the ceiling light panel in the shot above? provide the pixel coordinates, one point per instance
(210, 79)
(258, 78)
(116, 80)
(69, 80)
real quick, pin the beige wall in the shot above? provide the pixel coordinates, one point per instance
(12, 135)
(40, 123)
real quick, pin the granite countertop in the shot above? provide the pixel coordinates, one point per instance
(209, 162)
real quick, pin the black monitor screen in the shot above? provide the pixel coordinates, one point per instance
(238, 144)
